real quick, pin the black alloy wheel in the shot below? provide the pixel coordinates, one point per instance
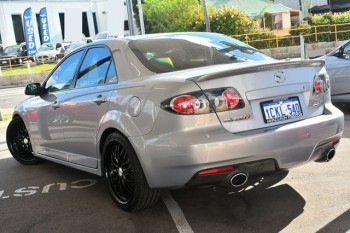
(125, 179)
(19, 143)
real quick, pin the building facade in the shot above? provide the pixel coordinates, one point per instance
(94, 16)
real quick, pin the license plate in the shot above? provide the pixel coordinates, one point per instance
(3, 62)
(281, 109)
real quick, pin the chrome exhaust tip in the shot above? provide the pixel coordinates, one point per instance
(238, 179)
(330, 154)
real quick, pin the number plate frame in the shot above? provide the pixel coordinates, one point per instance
(277, 104)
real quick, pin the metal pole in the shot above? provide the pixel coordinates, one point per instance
(142, 23)
(206, 17)
(130, 17)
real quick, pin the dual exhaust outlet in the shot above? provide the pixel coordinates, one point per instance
(238, 178)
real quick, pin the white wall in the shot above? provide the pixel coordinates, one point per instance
(286, 22)
(7, 8)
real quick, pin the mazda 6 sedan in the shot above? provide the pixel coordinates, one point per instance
(165, 111)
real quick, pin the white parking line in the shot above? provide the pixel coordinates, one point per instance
(176, 213)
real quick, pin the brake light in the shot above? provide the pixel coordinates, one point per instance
(318, 85)
(199, 102)
(232, 98)
(185, 104)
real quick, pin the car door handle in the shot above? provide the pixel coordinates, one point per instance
(99, 100)
(56, 105)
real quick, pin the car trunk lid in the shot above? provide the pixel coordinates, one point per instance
(273, 93)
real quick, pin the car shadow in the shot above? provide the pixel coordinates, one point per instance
(260, 209)
(340, 224)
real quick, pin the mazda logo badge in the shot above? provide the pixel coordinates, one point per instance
(280, 77)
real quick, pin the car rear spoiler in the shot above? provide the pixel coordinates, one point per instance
(257, 68)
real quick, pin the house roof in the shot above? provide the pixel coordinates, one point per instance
(251, 7)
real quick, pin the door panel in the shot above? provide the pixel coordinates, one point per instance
(86, 105)
(46, 126)
(45, 116)
(84, 115)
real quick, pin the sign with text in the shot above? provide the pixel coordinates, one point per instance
(44, 26)
(29, 31)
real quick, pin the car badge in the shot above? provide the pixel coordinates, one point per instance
(280, 77)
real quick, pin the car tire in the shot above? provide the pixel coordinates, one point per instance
(124, 176)
(19, 144)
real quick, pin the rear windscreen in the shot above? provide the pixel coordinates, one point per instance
(178, 52)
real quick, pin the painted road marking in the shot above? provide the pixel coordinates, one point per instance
(31, 190)
(176, 213)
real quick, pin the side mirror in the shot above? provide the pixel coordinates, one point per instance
(33, 89)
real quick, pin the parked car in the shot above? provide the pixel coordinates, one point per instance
(1, 49)
(174, 110)
(107, 35)
(15, 54)
(49, 52)
(72, 46)
(337, 65)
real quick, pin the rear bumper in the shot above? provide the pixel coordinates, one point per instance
(172, 159)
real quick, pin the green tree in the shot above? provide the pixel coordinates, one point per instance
(230, 21)
(171, 15)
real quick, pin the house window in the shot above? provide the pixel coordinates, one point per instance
(85, 28)
(61, 15)
(18, 28)
(276, 21)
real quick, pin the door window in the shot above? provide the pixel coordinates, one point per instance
(111, 75)
(62, 77)
(94, 68)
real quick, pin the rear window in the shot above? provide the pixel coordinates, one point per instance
(178, 52)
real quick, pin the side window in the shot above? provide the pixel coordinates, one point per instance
(111, 75)
(62, 77)
(94, 68)
(347, 49)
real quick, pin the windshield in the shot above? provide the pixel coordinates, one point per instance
(11, 49)
(184, 51)
(46, 47)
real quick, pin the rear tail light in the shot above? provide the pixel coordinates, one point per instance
(199, 102)
(322, 84)
(318, 85)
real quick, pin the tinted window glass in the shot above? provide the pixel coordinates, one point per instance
(111, 75)
(347, 49)
(184, 51)
(62, 77)
(94, 68)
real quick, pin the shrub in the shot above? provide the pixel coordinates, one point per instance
(231, 21)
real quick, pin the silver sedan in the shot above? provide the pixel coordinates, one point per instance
(173, 110)
(337, 66)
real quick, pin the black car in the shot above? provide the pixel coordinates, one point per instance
(15, 54)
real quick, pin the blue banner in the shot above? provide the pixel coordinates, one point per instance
(29, 31)
(44, 26)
